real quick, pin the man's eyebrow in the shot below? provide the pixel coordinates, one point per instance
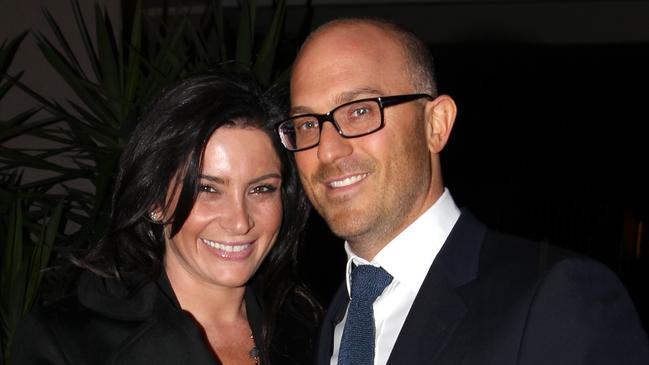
(339, 99)
(365, 92)
(300, 110)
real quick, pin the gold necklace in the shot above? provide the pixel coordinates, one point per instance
(254, 351)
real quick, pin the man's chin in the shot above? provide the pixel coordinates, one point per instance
(346, 225)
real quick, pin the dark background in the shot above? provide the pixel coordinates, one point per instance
(552, 136)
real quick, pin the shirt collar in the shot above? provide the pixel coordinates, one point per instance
(411, 253)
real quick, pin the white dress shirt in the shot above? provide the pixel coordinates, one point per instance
(407, 258)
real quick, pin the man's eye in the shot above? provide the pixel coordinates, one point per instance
(307, 125)
(359, 112)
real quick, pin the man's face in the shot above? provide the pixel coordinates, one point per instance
(368, 188)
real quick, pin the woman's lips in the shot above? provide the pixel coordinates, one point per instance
(238, 250)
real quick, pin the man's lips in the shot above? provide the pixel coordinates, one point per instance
(345, 181)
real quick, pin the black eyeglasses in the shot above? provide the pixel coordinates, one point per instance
(354, 119)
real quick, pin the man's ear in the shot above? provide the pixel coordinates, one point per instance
(440, 116)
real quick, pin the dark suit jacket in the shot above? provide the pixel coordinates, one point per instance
(101, 324)
(490, 298)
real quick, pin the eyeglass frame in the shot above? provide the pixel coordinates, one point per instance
(382, 101)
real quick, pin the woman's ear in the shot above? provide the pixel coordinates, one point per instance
(440, 115)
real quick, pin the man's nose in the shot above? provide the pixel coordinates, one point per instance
(332, 145)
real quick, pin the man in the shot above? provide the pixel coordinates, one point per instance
(367, 128)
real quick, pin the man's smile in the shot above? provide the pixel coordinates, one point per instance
(346, 181)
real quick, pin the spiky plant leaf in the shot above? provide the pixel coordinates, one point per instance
(8, 50)
(263, 67)
(41, 253)
(19, 124)
(63, 42)
(246, 35)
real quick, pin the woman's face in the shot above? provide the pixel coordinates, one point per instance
(237, 214)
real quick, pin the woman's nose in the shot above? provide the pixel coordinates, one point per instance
(237, 220)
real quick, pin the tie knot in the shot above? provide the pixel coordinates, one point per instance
(368, 282)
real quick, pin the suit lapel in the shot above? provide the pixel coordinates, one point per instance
(433, 317)
(438, 308)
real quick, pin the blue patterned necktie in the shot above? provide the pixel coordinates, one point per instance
(357, 343)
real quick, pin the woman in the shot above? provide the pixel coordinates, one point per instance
(197, 266)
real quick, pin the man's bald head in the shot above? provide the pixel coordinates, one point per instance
(419, 61)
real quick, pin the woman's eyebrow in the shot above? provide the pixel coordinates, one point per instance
(219, 180)
(272, 175)
(214, 179)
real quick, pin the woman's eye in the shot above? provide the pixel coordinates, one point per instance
(262, 189)
(207, 189)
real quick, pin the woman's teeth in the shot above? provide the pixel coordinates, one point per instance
(224, 247)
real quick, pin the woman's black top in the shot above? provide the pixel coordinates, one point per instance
(103, 323)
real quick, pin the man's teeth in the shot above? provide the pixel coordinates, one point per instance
(347, 181)
(226, 248)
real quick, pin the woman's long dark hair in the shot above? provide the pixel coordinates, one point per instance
(167, 148)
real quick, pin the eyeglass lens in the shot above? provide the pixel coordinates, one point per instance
(351, 120)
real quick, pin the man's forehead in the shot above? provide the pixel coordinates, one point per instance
(341, 67)
(339, 98)
(351, 27)
(348, 35)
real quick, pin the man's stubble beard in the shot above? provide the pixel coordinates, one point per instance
(378, 221)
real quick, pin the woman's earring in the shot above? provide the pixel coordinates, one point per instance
(154, 217)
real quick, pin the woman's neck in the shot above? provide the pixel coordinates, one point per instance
(209, 304)
(220, 311)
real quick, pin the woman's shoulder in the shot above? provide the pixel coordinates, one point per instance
(90, 321)
(47, 320)
(50, 331)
